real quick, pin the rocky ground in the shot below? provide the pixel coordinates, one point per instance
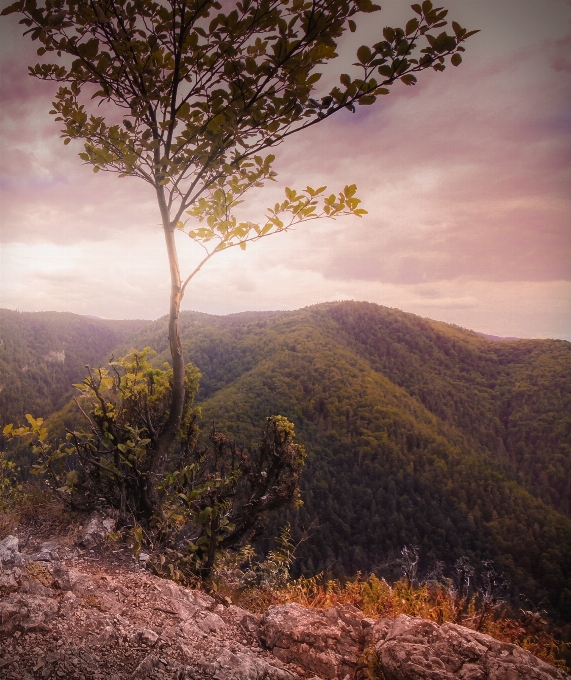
(89, 612)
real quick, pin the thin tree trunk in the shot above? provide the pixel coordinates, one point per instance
(172, 426)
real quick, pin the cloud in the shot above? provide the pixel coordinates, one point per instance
(471, 179)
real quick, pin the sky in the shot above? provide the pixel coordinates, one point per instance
(466, 177)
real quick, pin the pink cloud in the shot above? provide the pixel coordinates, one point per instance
(466, 174)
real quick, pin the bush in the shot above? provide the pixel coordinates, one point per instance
(196, 501)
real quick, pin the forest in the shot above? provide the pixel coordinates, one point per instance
(418, 433)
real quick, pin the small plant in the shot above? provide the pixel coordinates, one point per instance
(245, 570)
(491, 585)
(409, 564)
(460, 587)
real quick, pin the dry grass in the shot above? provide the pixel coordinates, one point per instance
(38, 512)
(39, 572)
(8, 523)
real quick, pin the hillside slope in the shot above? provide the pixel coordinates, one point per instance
(43, 353)
(418, 433)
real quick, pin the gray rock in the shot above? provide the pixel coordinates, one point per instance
(60, 575)
(211, 623)
(9, 553)
(97, 527)
(411, 648)
(148, 637)
(240, 666)
(249, 622)
(146, 667)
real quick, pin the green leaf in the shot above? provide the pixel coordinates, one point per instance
(364, 55)
(367, 6)
(345, 79)
(426, 7)
(411, 26)
(408, 79)
(456, 59)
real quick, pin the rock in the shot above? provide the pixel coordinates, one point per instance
(108, 612)
(148, 637)
(328, 643)
(25, 613)
(146, 667)
(249, 622)
(60, 576)
(98, 526)
(9, 553)
(8, 582)
(411, 648)
(240, 666)
(211, 623)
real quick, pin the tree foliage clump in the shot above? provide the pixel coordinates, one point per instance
(203, 500)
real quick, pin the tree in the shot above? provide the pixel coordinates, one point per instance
(200, 91)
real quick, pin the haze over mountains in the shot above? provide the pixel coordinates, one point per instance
(418, 432)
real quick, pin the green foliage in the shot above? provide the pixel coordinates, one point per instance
(221, 495)
(204, 91)
(201, 89)
(115, 461)
(200, 501)
(11, 492)
(222, 226)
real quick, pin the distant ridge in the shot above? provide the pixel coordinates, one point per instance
(496, 338)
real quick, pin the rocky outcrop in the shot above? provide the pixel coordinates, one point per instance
(329, 642)
(69, 613)
(410, 648)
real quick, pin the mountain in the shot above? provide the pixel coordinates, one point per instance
(418, 432)
(43, 353)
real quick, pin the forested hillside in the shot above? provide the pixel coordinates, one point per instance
(418, 432)
(43, 353)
